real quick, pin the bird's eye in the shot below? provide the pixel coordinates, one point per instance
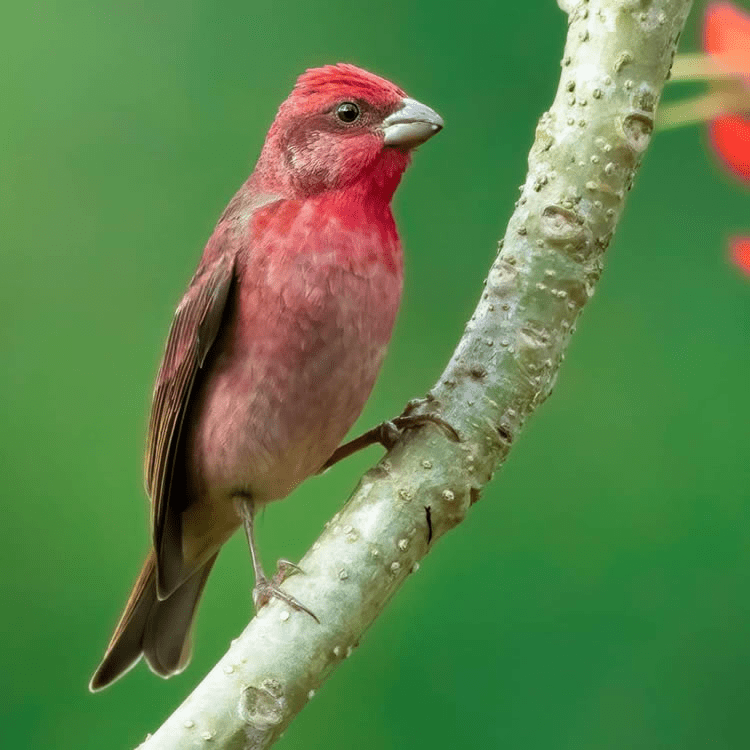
(347, 112)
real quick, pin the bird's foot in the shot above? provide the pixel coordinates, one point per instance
(266, 588)
(390, 432)
(284, 569)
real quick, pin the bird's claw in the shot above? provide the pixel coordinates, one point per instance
(415, 403)
(408, 422)
(265, 589)
(390, 432)
(284, 569)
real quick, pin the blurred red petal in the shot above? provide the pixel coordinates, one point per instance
(730, 136)
(740, 251)
(726, 36)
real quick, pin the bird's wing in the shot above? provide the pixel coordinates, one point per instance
(194, 329)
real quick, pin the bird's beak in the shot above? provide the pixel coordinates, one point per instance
(411, 125)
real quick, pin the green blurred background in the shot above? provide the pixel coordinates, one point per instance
(597, 597)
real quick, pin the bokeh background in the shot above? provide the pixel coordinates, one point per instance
(599, 594)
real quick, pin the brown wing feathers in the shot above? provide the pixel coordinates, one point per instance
(157, 618)
(194, 329)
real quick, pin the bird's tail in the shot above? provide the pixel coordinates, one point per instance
(158, 630)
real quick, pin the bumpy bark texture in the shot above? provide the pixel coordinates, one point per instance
(587, 150)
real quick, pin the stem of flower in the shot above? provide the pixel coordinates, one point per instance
(728, 99)
(698, 66)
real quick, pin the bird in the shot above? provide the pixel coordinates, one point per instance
(275, 346)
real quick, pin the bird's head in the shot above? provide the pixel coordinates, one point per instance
(339, 127)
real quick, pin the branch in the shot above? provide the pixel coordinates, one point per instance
(587, 150)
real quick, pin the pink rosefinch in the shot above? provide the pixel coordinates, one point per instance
(275, 347)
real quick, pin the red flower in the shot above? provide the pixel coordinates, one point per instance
(726, 37)
(725, 65)
(730, 136)
(740, 251)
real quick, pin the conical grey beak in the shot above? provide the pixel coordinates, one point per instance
(411, 125)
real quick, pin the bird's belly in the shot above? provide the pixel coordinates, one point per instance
(271, 425)
(288, 379)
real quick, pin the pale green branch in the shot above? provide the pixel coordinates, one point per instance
(587, 150)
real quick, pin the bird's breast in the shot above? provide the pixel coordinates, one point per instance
(304, 338)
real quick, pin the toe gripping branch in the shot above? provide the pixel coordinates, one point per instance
(266, 589)
(390, 432)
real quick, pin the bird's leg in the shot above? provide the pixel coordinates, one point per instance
(389, 432)
(265, 587)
